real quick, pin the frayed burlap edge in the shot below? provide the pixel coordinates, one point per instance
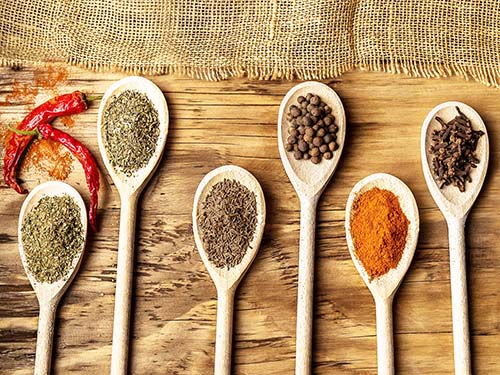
(486, 75)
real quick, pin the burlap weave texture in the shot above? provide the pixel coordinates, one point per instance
(268, 39)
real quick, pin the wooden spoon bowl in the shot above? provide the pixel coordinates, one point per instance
(306, 177)
(385, 286)
(227, 280)
(139, 179)
(49, 294)
(449, 199)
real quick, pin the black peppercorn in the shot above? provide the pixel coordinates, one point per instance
(321, 132)
(333, 128)
(317, 141)
(315, 100)
(300, 99)
(303, 146)
(306, 156)
(327, 155)
(306, 121)
(327, 120)
(297, 155)
(316, 112)
(291, 140)
(327, 138)
(316, 159)
(288, 147)
(314, 151)
(301, 129)
(295, 111)
(323, 148)
(309, 96)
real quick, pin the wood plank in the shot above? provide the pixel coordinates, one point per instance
(216, 123)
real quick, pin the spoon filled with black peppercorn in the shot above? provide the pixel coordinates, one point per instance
(132, 128)
(311, 133)
(52, 232)
(229, 214)
(455, 153)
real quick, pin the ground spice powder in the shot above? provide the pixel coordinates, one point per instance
(378, 228)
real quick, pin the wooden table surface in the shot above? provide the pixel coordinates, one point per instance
(174, 309)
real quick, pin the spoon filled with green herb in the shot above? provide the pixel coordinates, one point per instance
(52, 232)
(132, 129)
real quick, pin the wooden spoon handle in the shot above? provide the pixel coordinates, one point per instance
(305, 287)
(123, 294)
(385, 344)
(44, 338)
(223, 342)
(459, 304)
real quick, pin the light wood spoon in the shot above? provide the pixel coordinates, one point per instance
(309, 181)
(383, 288)
(226, 280)
(455, 207)
(129, 189)
(49, 294)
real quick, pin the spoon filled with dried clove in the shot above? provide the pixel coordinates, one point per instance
(307, 109)
(229, 214)
(132, 127)
(52, 232)
(455, 152)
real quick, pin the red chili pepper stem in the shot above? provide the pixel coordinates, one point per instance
(33, 133)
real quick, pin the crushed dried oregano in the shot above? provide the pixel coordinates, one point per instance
(131, 131)
(227, 221)
(52, 236)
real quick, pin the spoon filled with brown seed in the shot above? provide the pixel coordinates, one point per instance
(455, 153)
(52, 232)
(229, 213)
(311, 133)
(132, 127)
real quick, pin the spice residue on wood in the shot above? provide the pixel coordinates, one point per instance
(227, 221)
(312, 130)
(131, 129)
(453, 151)
(52, 237)
(378, 228)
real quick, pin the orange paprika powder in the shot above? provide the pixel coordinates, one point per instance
(378, 228)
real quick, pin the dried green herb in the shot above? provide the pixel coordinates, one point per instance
(227, 221)
(52, 235)
(131, 131)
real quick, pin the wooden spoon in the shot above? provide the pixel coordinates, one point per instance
(49, 294)
(383, 288)
(455, 207)
(226, 280)
(309, 181)
(129, 189)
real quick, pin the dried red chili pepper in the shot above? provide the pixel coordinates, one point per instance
(67, 104)
(86, 159)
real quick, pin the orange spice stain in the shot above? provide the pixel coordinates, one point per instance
(21, 92)
(50, 157)
(68, 121)
(50, 77)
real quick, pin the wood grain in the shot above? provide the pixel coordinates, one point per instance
(174, 300)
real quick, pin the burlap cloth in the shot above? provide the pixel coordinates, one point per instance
(217, 39)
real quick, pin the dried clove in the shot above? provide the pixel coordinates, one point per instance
(453, 151)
